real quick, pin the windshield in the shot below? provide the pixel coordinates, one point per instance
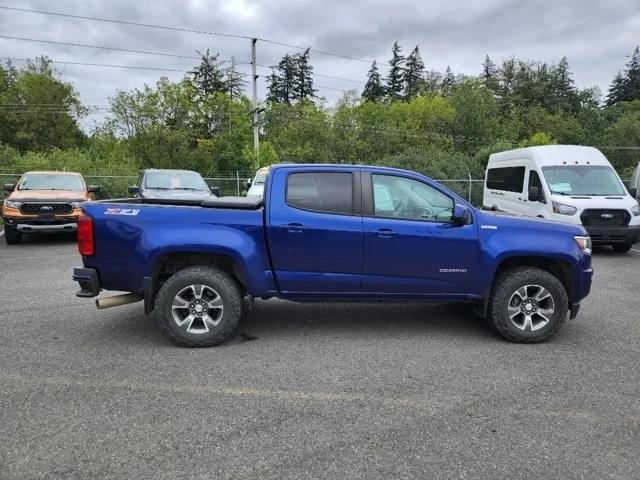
(175, 181)
(51, 181)
(583, 180)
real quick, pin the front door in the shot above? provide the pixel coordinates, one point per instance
(315, 232)
(411, 247)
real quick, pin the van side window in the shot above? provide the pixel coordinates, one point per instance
(507, 179)
(328, 192)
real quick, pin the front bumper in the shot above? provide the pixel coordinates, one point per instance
(88, 280)
(610, 235)
(42, 224)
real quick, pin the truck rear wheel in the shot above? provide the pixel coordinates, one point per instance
(11, 235)
(528, 305)
(199, 306)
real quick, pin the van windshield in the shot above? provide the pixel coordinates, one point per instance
(583, 180)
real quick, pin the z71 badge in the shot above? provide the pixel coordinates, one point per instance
(122, 211)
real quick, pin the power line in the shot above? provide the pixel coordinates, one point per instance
(87, 64)
(99, 47)
(187, 30)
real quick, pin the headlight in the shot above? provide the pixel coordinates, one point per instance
(563, 209)
(12, 204)
(635, 211)
(584, 243)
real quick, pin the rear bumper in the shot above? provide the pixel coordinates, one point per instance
(610, 235)
(88, 280)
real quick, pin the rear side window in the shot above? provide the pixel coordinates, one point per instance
(328, 192)
(507, 179)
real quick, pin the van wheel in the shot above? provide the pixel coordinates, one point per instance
(199, 306)
(12, 236)
(528, 305)
(621, 247)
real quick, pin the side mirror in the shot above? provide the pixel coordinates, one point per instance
(134, 189)
(460, 214)
(93, 189)
(215, 190)
(9, 187)
(535, 195)
(633, 192)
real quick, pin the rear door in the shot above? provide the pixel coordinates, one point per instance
(315, 230)
(411, 247)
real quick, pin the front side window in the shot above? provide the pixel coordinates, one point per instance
(408, 199)
(534, 181)
(506, 179)
(583, 180)
(328, 192)
(51, 181)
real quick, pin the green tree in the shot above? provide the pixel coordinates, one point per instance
(39, 110)
(303, 77)
(373, 89)
(616, 90)
(448, 81)
(395, 79)
(490, 75)
(414, 74)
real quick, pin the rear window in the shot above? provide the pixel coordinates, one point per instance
(507, 179)
(328, 192)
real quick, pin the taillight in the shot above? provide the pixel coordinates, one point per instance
(85, 236)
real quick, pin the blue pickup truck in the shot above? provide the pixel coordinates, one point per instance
(331, 232)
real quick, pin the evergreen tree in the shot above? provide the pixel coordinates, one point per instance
(373, 90)
(563, 88)
(208, 77)
(274, 92)
(616, 90)
(448, 81)
(414, 74)
(234, 81)
(631, 85)
(302, 85)
(395, 79)
(490, 75)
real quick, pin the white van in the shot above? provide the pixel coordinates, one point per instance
(256, 188)
(566, 183)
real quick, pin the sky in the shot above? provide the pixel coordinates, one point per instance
(596, 36)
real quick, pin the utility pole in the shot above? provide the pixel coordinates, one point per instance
(256, 128)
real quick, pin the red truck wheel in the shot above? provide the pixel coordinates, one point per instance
(199, 306)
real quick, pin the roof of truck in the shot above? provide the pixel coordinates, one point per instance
(554, 155)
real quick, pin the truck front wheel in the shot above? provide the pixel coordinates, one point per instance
(528, 305)
(11, 235)
(199, 306)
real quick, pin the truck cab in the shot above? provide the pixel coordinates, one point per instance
(44, 202)
(565, 183)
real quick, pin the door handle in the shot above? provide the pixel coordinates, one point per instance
(385, 233)
(295, 227)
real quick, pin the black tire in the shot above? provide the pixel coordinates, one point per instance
(215, 279)
(621, 247)
(504, 289)
(12, 236)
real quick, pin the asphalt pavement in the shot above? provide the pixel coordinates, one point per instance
(353, 391)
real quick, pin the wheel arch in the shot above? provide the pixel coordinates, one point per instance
(169, 263)
(558, 267)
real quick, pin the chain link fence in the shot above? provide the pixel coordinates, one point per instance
(116, 186)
